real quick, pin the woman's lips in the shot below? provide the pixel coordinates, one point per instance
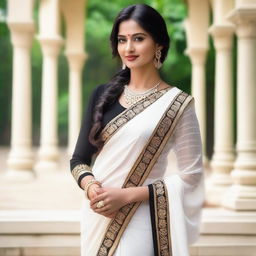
(131, 58)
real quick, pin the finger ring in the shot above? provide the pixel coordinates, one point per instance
(100, 204)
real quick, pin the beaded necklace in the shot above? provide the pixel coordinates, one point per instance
(132, 97)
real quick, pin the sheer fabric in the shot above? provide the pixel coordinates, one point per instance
(185, 187)
(185, 192)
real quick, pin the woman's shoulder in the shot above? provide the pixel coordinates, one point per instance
(184, 94)
(165, 85)
(97, 92)
(179, 89)
(99, 89)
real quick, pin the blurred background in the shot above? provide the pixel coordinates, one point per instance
(99, 66)
(53, 53)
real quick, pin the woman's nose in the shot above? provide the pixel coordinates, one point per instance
(129, 45)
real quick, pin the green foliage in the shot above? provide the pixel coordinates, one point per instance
(176, 69)
(5, 77)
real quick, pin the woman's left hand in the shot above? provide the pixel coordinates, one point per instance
(113, 198)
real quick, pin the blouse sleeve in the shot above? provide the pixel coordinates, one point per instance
(184, 190)
(84, 150)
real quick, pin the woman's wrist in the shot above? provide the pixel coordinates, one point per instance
(85, 180)
(89, 184)
(136, 194)
(92, 188)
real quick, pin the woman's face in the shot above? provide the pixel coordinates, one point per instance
(135, 46)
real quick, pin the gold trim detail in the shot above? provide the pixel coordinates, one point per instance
(116, 123)
(162, 219)
(79, 170)
(141, 170)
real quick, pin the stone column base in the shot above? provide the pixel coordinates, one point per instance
(240, 197)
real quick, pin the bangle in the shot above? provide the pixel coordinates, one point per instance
(79, 170)
(88, 184)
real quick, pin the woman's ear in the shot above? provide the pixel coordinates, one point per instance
(159, 47)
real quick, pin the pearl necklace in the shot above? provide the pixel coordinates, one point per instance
(132, 97)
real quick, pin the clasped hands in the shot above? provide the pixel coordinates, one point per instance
(113, 198)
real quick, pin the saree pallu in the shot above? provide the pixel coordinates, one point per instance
(135, 153)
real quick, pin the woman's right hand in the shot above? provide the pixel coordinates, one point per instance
(92, 192)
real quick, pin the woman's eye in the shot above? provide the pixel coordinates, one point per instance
(136, 39)
(121, 40)
(139, 38)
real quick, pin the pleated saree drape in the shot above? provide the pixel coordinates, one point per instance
(137, 144)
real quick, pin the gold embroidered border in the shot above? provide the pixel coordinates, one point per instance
(162, 219)
(141, 170)
(116, 123)
(80, 169)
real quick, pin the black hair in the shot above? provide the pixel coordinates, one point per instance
(153, 23)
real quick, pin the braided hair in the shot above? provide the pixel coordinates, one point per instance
(152, 22)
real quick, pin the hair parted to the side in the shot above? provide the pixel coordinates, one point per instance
(152, 22)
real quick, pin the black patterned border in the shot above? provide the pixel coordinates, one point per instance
(80, 171)
(116, 123)
(141, 170)
(160, 219)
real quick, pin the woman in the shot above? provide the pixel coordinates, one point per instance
(131, 125)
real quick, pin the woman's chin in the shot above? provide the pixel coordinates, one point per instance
(136, 65)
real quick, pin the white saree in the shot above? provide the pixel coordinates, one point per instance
(120, 164)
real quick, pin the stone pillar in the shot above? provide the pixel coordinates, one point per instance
(242, 194)
(76, 62)
(198, 58)
(223, 157)
(196, 26)
(20, 160)
(48, 151)
(74, 15)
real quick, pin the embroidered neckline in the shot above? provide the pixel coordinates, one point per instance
(117, 122)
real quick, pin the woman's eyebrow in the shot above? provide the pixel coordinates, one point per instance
(133, 34)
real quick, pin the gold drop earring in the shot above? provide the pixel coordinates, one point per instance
(157, 61)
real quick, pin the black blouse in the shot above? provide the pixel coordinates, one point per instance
(84, 150)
